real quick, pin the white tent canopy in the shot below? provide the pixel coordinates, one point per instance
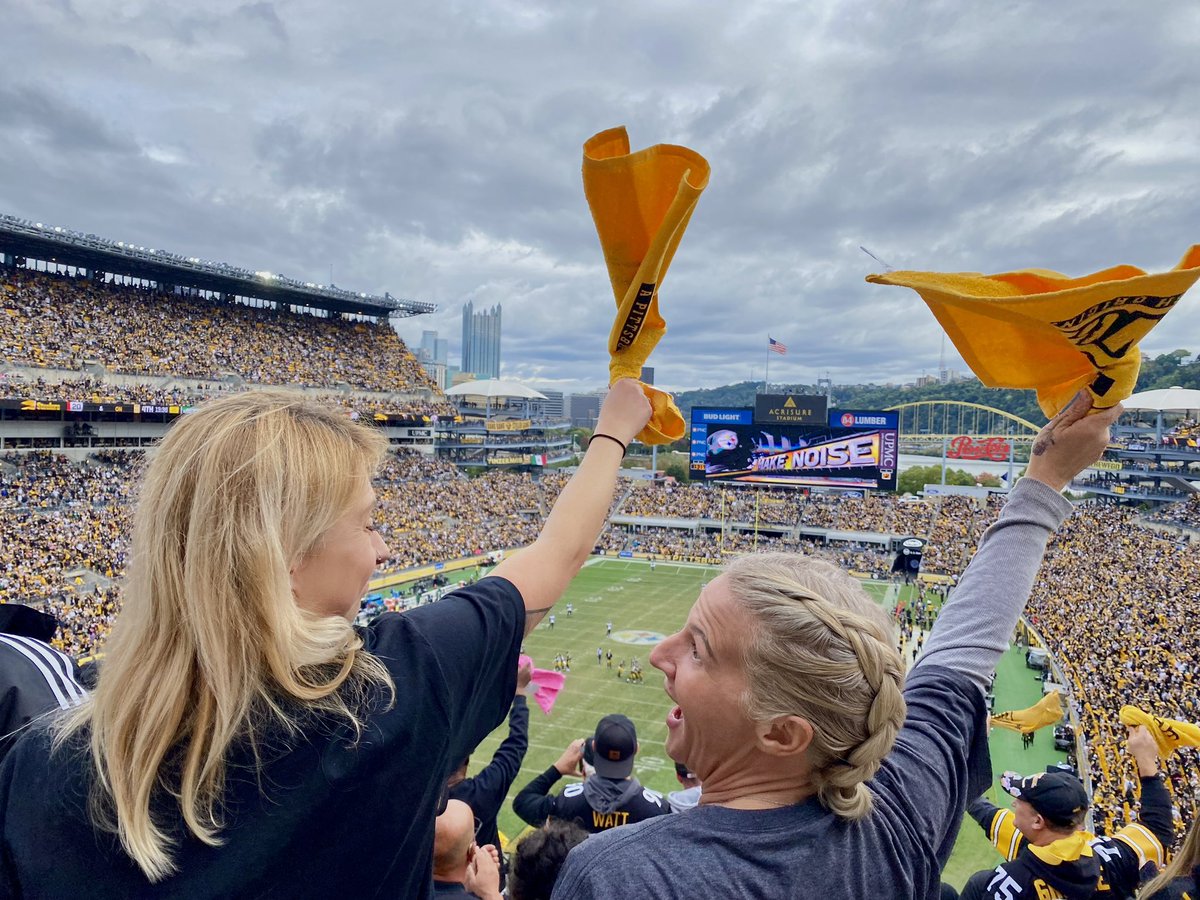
(1171, 398)
(492, 388)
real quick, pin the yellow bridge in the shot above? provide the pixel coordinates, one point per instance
(927, 422)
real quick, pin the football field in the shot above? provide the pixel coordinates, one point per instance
(643, 606)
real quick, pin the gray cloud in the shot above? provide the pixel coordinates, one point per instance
(433, 150)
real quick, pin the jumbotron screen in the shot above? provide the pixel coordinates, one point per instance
(854, 449)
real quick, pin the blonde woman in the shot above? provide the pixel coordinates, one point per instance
(244, 739)
(825, 773)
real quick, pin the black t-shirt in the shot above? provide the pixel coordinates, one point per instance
(324, 817)
(1186, 887)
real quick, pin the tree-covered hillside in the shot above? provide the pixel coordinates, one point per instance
(1165, 370)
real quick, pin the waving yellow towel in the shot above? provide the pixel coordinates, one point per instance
(1168, 733)
(1047, 711)
(641, 203)
(1039, 329)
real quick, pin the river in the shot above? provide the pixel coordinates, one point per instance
(973, 466)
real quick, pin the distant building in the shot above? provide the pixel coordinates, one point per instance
(428, 342)
(481, 341)
(433, 355)
(583, 410)
(435, 371)
(553, 405)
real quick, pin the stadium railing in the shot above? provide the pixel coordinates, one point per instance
(1081, 745)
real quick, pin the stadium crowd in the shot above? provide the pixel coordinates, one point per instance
(56, 322)
(1184, 514)
(1123, 634)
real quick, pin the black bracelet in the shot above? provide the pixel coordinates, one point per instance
(600, 434)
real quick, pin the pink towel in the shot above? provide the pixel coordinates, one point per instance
(546, 682)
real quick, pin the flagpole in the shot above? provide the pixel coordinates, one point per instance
(767, 368)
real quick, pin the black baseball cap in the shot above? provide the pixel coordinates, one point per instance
(1057, 794)
(614, 746)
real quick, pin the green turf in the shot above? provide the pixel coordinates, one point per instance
(1016, 688)
(633, 598)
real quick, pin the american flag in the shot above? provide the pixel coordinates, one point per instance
(775, 346)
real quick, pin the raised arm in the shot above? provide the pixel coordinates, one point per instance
(973, 628)
(999, 825)
(542, 571)
(487, 790)
(1154, 830)
(534, 803)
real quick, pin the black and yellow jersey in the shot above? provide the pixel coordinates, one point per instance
(1082, 865)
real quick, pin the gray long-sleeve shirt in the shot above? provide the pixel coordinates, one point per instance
(939, 762)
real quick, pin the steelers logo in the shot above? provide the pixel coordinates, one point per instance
(642, 638)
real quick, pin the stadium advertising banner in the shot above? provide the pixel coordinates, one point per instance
(84, 406)
(848, 449)
(508, 424)
(128, 411)
(507, 459)
(792, 409)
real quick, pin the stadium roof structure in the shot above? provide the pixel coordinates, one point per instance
(494, 387)
(1171, 398)
(21, 237)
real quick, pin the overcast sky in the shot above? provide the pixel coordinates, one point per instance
(433, 150)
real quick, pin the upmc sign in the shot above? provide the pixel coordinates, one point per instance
(794, 409)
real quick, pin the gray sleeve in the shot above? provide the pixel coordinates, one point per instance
(975, 625)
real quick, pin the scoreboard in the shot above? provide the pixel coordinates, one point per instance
(850, 449)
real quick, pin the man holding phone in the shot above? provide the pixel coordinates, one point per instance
(607, 799)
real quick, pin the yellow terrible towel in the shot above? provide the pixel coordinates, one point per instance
(1167, 733)
(1047, 711)
(641, 203)
(1039, 329)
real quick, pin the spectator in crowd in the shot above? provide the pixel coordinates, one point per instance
(539, 858)
(824, 773)
(1181, 879)
(689, 796)
(1048, 853)
(454, 852)
(610, 798)
(34, 677)
(243, 738)
(485, 793)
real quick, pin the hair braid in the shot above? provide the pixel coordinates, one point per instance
(823, 651)
(841, 785)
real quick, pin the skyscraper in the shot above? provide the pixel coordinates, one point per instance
(481, 341)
